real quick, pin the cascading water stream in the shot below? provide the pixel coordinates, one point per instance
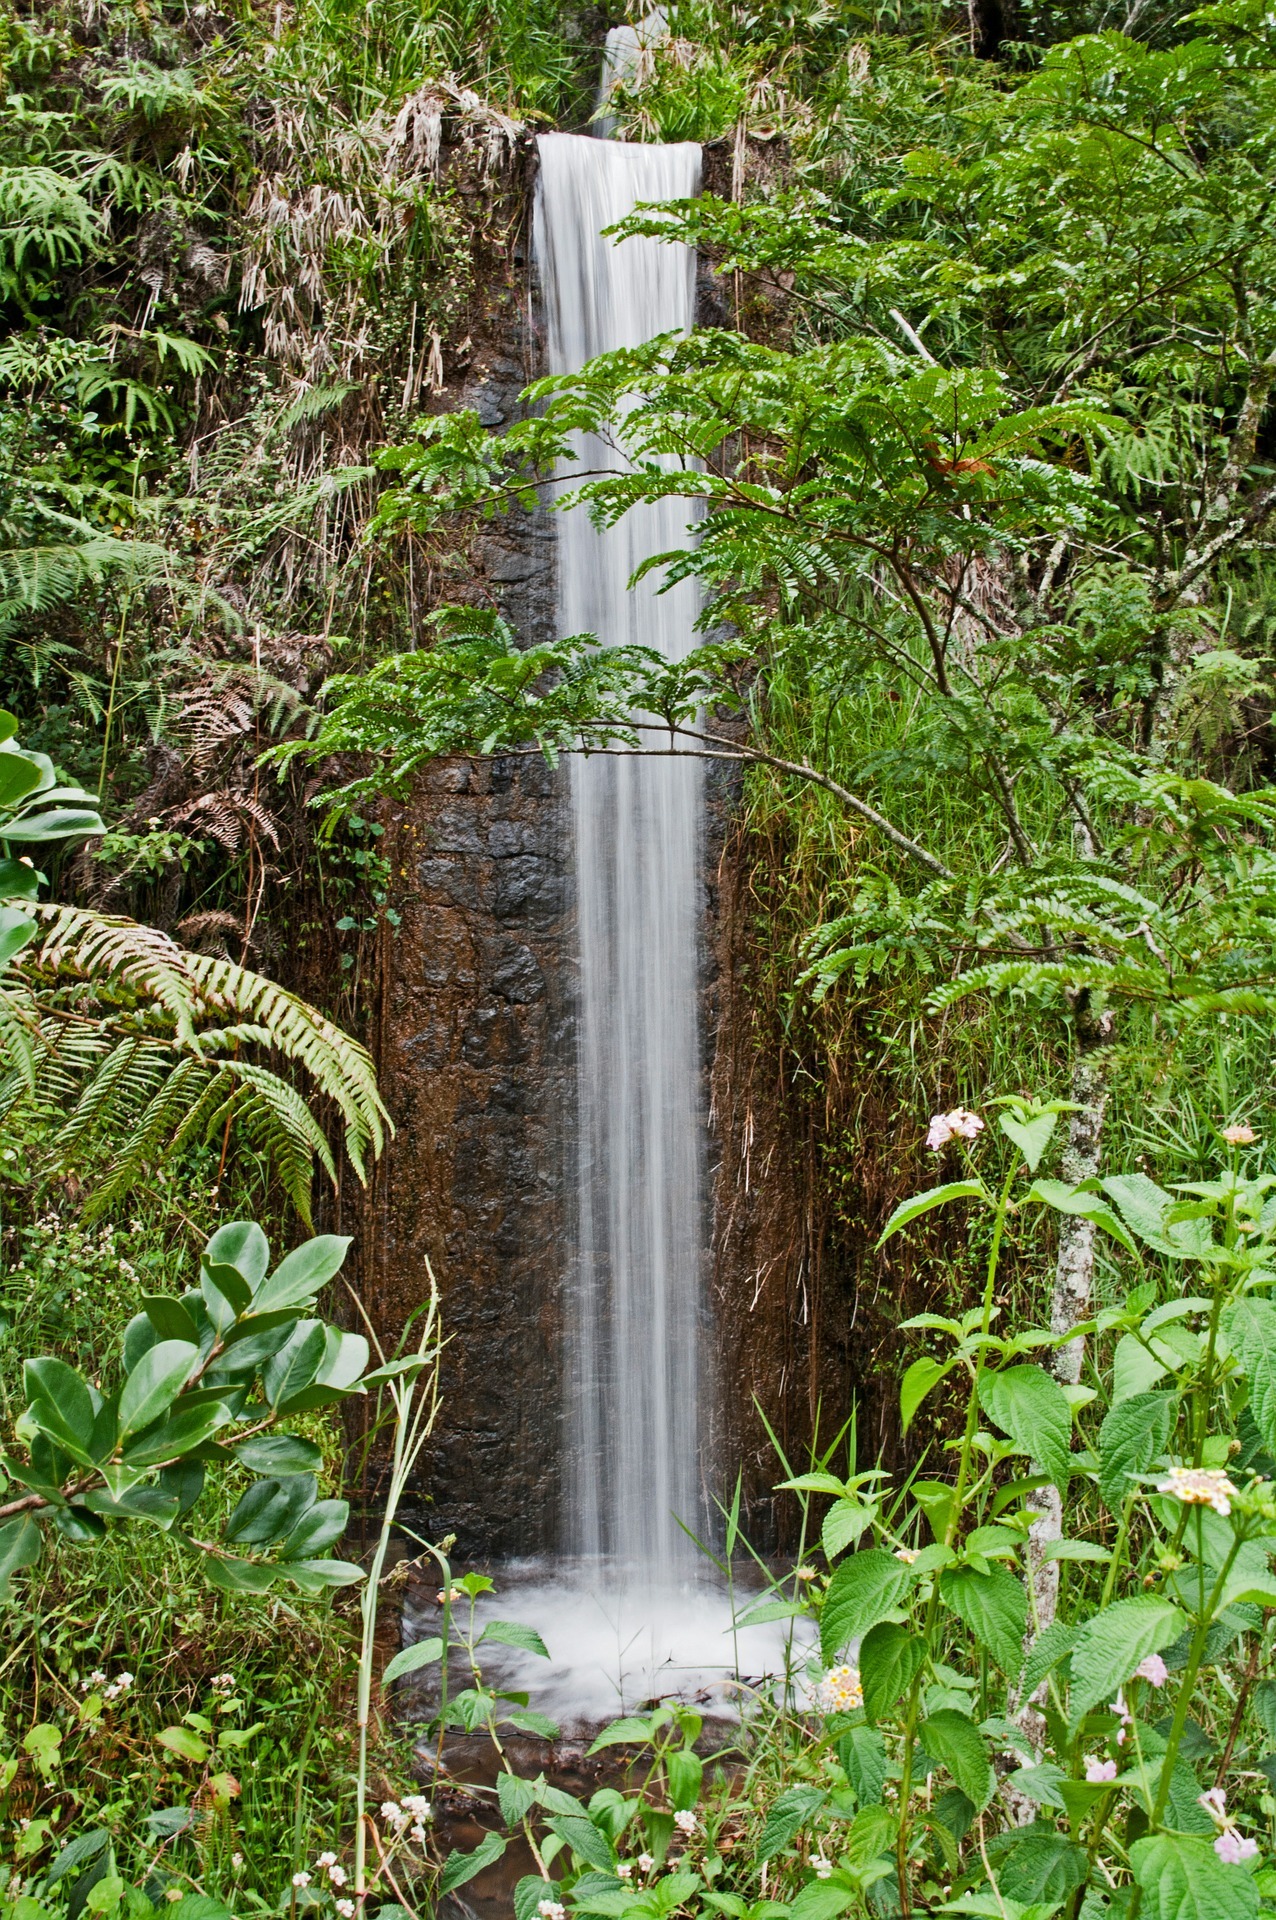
(626, 1612)
(635, 1297)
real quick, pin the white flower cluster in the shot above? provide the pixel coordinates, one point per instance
(840, 1691)
(960, 1124)
(1199, 1487)
(685, 1820)
(551, 1910)
(222, 1683)
(412, 1815)
(337, 1877)
(96, 1679)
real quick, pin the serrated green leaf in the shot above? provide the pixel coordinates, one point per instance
(862, 1591)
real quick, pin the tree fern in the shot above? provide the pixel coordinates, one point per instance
(146, 1048)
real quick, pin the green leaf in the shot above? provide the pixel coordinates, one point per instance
(1040, 1867)
(411, 1659)
(685, 1772)
(312, 1576)
(17, 930)
(238, 1576)
(155, 1383)
(270, 1509)
(240, 1244)
(1032, 1137)
(276, 1453)
(530, 1891)
(1031, 1408)
(169, 1318)
(188, 1428)
(298, 1277)
(1133, 1433)
(952, 1740)
(185, 1744)
(918, 1381)
(1134, 1369)
(862, 1754)
(890, 1658)
(1110, 1647)
(994, 1606)
(921, 1203)
(632, 1731)
(785, 1818)
(517, 1797)
(540, 1724)
(288, 1372)
(318, 1529)
(1184, 1879)
(844, 1522)
(459, 1868)
(1086, 1206)
(226, 1294)
(822, 1900)
(20, 1544)
(510, 1633)
(585, 1839)
(62, 1405)
(1250, 1326)
(862, 1590)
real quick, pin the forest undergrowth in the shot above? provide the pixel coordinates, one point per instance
(986, 447)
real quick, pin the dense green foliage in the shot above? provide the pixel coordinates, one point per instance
(986, 458)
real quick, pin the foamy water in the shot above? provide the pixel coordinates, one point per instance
(617, 1643)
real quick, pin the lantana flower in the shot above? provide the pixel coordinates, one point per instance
(1097, 1770)
(960, 1124)
(840, 1691)
(1199, 1487)
(1153, 1670)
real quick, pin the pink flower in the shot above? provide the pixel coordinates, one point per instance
(957, 1125)
(1232, 1849)
(1240, 1136)
(1214, 1801)
(1096, 1770)
(1153, 1670)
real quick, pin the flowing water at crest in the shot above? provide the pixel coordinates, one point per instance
(636, 1293)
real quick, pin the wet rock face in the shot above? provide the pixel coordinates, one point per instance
(476, 1067)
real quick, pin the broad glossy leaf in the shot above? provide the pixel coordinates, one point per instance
(291, 1370)
(62, 1404)
(17, 930)
(240, 1244)
(169, 1318)
(270, 1509)
(20, 1544)
(279, 1453)
(318, 1529)
(186, 1429)
(238, 1576)
(300, 1275)
(185, 1743)
(155, 1383)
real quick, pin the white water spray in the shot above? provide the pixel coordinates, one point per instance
(636, 1294)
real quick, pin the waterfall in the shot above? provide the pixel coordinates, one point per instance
(636, 1292)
